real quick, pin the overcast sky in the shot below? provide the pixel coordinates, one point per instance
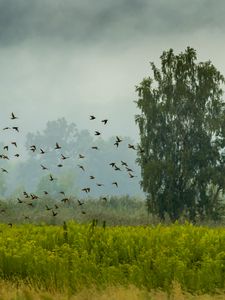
(73, 58)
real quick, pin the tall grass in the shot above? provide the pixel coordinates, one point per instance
(73, 257)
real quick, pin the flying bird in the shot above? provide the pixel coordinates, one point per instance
(15, 128)
(60, 165)
(63, 193)
(57, 146)
(124, 163)
(17, 155)
(64, 157)
(131, 147)
(81, 167)
(92, 117)
(104, 121)
(4, 170)
(42, 151)
(94, 147)
(112, 164)
(86, 190)
(45, 192)
(19, 200)
(97, 133)
(118, 139)
(99, 184)
(14, 143)
(6, 148)
(54, 213)
(79, 202)
(92, 177)
(5, 128)
(44, 168)
(81, 156)
(13, 117)
(51, 178)
(115, 183)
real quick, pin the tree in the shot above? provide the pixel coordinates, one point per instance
(182, 137)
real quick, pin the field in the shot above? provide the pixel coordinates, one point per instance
(75, 257)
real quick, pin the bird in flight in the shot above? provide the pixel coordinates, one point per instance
(14, 143)
(81, 156)
(4, 170)
(112, 164)
(57, 146)
(5, 128)
(104, 121)
(63, 193)
(131, 147)
(17, 155)
(51, 178)
(42, 151)
(33, 148)
(44, 168)
(15, 128)
(99, 184)
(94, 147)
(6, 148)
(86, 190)
(124, 163)
(54, 213)
(115, 183)
(60, 165)
(118, 139)
(92, 117)
(64, 157)
(81, 167)
(92, 177)
(79, 202)
(97, 132)
(13, 117)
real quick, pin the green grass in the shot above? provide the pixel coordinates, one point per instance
(76, 256)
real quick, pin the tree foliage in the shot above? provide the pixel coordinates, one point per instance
(182, 133)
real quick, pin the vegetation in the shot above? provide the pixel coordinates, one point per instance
(182, 131)
(73, 257)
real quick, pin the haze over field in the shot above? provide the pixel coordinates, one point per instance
(75, 58)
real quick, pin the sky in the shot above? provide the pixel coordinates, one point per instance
(74, 58)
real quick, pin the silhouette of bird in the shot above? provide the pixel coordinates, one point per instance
(34, 197)
(30, 204)
(112, 164)
(81, 156)
(48, 208)
(117, 168)
(6, 148)
(42, 151)
(97, 133)
(26, 195)
(104, 198)
(131, 175)
(60, 165)
(129, 169)
(79, 202)
(45, 192)
(5, 128)
(94, 147)
(99, 184)
(4, 170)
(13, 117)
(51, 178)
(116, 144)
(81, 167)
(33, 148)
(92, 177)
(15, 128)
(104, 121)
(92, 117)
(19, 200)
(14, 143)
(54, 213)
(44, 168)
(131, 146)
(124, 163)
(86, 190)
(141, 150)
(5, 156)
(115, 183)
(63, 193)
(64, 157)
(57, 146)
(118, 139)
(56, 206)
(65, 200)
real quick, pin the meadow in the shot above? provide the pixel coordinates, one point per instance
(71, 258)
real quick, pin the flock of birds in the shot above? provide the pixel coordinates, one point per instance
(28, 198)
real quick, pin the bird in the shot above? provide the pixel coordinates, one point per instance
(131, 147)
(104, 198)
(51, 178)
(99, 184)
(5, 156)
(14, 143)
(112, 164)
(5, 128)
(15, 128)
(44, 168)
(56, 206)
(26, 195)
(19, 200)
(64, 157)
(92, 117)
(57, 146)
(17, 155)
(13, 117)
(30, 204)
(124, 163)
(86, 190)
(48, 208)
(94, 147)
(92, 177)
(117, 168)
(54, 213)
(6, 148)
(33, 148)
(65, 200)
(45, 192)
(97, 132)
(81, 167)
(104, 121)
(79, 202)
(118, 139)
(34, 197)
(60, 165)
(129, 169)
(81, 156)
(4, 170)
(42, 151)
(63, 193)
(131, 175)
(115, 183)
(116, 144)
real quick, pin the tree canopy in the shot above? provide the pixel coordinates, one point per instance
(182, 134)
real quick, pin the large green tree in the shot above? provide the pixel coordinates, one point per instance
(182, 137)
